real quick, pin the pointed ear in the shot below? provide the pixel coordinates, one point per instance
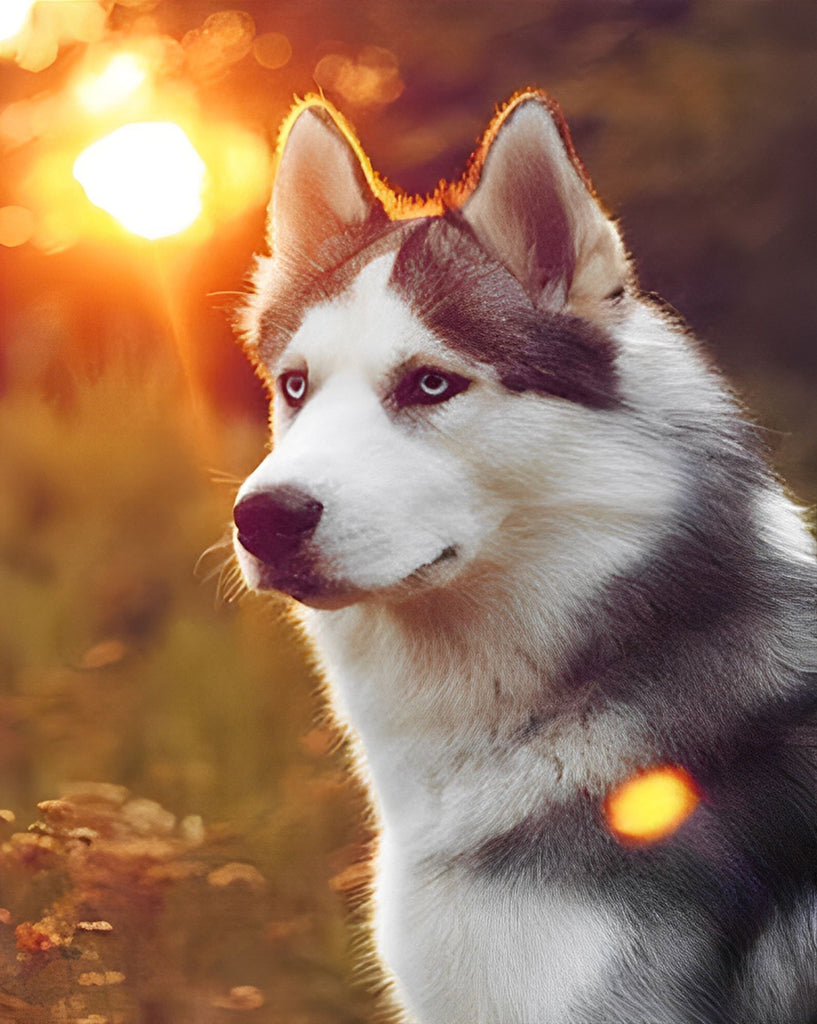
(534, 208)
(323, 181)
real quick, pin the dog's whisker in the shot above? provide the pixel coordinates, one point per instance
(219, 476)
(231, 582)
(219, 547)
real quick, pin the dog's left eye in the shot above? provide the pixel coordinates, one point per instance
(293, 387)
(428, 386)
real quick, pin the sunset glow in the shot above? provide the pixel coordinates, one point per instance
(147, 175)
(652, 804)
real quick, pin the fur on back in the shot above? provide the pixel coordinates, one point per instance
(540, 552)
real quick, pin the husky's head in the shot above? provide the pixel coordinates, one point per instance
(449, 393)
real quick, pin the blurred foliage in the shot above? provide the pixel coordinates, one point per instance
(119, 664)
(124, 402)
(116, 912)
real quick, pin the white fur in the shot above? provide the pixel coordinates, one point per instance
(566, 946)
(782, 524)
(446, 779)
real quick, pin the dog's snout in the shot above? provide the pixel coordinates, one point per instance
(272, 525)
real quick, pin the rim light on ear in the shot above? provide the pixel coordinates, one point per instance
(397, 205)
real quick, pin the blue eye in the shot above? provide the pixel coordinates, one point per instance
(293, 387)
(428, 386)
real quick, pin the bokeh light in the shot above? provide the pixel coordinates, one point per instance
(370, 79)
(13, 16)
(33, 33)
(147, 175)
(272, 50)
(16, 226)
(122, 77)
(651, 805)
(223, 39)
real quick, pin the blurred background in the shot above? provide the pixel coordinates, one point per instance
(198, 850)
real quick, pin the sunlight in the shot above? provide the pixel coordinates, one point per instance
(147, 175)
(13, 16)
(652, 804)
(123, 76)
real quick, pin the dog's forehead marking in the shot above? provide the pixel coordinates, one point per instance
(290, 285)
(368, 326)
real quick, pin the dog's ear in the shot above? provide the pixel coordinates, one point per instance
(323, 181)
(534, 208)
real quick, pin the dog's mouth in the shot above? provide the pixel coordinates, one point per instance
(311, 587)
(444, 556)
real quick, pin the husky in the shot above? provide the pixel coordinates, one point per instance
(536, 544)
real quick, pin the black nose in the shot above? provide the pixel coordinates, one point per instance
(272, 525)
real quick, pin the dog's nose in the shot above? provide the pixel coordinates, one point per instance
(273, 524)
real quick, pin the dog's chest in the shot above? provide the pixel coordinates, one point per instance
(465, 947)
(469, 951)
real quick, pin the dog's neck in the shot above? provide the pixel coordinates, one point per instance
(468, 678)
(452, 665)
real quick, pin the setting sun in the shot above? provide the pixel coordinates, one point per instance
(652, 804)
(147, 175)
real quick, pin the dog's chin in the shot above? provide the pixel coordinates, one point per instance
(327, 593)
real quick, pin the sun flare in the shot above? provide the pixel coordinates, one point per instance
(652, 804)
(147, 175)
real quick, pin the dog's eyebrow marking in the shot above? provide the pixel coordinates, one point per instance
(473, 304)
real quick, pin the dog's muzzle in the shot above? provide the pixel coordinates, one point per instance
(275, 525)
